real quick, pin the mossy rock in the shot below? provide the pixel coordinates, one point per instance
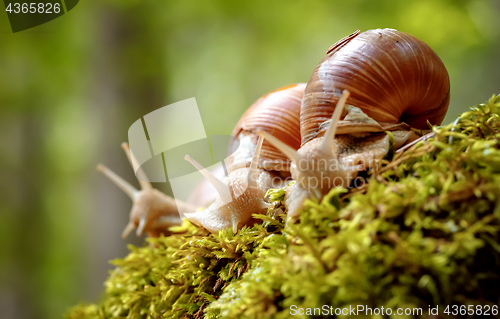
(423, 232)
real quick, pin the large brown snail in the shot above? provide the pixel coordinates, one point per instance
(325, 132)
(391, 81)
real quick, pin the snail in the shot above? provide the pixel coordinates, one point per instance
(152, 211)
(242, 193)
(392, 82)
(393, 77)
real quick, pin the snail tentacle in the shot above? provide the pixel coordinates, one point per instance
(284, 148)
(125, 186)
(326, 145)
(128, 229)
(141, 175)
(221, 187)
(145, 185)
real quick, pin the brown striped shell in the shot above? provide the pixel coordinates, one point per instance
(392, 76)
(277, 113)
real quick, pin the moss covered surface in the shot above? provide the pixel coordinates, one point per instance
(424, 231)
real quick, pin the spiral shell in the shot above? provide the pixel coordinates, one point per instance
(277, 113)
(392, 76)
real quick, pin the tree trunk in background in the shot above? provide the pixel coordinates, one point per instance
(20, 273)
(128, 81)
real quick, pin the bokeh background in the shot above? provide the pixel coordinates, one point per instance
(70, 89)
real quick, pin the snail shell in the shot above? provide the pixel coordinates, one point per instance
(278, 113)
(392, 77)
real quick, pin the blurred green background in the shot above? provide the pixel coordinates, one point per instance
(70, 89)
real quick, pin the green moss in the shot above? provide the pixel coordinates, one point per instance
(424, 231)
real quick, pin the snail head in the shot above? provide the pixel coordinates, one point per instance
(152, 211)
(240, 195)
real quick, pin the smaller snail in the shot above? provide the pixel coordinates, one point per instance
(152, 211)
(240, 195)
